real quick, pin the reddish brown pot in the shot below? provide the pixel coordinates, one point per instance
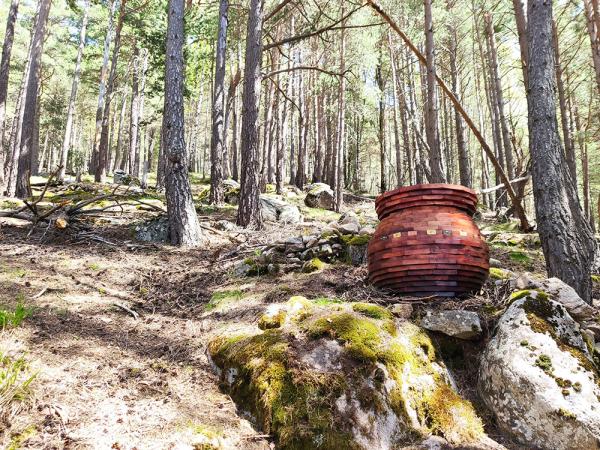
(427, 242)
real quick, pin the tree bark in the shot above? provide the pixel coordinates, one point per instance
(183, 221)
(102, 162)
(562, 101)
(431, 119)
(66, 146)
(217, 148)
(4, 72)
(28, 138)
(567, 239)
(380, 126)
(594, 35)
(249, 213)
(102, 87)
(341, 129)
(522, 33)
(499, 97)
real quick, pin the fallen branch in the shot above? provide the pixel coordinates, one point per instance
(501, 186)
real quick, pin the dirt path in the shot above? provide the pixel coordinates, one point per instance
(106, 379)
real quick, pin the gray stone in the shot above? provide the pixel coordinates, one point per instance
(225, 225)
(326, 249)
(541, 384)
(562, 293)
(349, 228)
(357, 254)
(458, 324)
(276, 210)
(155, 230)
(349, 217)
(320, 195)
(495, 263)
(242, 269)
(121, 177)
(402, 310)
(367, 231)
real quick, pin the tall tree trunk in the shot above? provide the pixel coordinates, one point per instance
(380, 125)
(341, 128)
(134, 113)
(594, 35)
(102, 87)
(217, 194)
(122, 159)
(431, 119)
(249, 213)
(4, 71)
(397, 146)
(562, 101)
(464, 161)
(66, 146)
(183, 221)
(28, 138)
(522, 33)
(499, 96)
(234, 140)
(567, 239)
(102, 162)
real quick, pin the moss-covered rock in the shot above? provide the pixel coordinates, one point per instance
(314, 265)
(342, 375)
(500, 274)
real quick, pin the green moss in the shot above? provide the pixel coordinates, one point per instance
(220, 297)
(314, 265)
(566, 414)
(520, 257)
(499, 274)
(519, 295)
(354, 239)
(326, 301)
(545, 363)
(272, 321)
(361, 336)
(596, 279)
(17, 440)
(296, 406)
(452, 416)
(373, 311)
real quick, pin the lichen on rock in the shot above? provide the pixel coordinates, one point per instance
(536, 365)
(337, 375)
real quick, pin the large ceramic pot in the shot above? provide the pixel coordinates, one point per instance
(427, 242)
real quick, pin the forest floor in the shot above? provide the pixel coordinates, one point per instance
(117, 332)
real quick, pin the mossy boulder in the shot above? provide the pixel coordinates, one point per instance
(538, 377)
(335, 375)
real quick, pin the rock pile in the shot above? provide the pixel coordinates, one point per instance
(319, 195)
(345, 240)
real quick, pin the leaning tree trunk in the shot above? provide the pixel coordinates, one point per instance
(431, 119)
(217, 147)
(28, 138)
(66, 146)
(4, 71)
(249, 214)
(183, 221)
(522, 33)
(567, 238)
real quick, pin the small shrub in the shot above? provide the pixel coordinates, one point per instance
(12, 319)
(15, 380)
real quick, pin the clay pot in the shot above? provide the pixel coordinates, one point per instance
(427, 242)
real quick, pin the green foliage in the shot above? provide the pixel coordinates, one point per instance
(221, 297)
(15, 381)
(12, 319)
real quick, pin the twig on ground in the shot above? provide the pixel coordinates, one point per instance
(128, 310)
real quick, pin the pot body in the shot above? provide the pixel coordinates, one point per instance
(427, 242)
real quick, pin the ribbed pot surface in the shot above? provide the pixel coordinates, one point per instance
(427, 242)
